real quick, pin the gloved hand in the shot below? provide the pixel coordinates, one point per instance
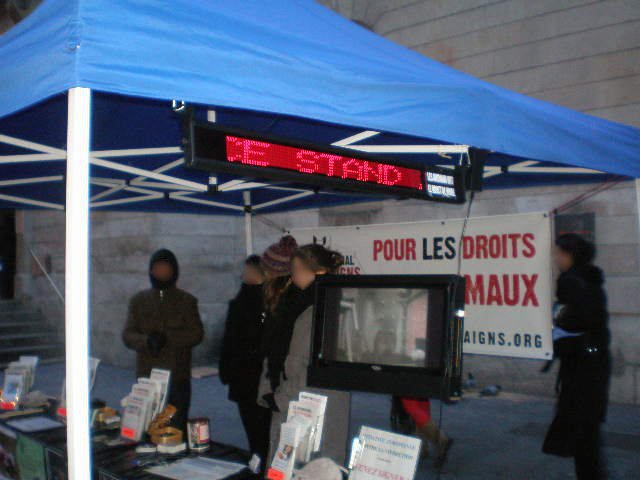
(156, 342)
(271, 402)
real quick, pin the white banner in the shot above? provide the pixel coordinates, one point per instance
(506, 261)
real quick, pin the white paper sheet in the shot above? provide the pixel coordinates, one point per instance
(198, 468)
(34, 424)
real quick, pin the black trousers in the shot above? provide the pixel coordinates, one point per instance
(256, 421)
(588, 459)
(180, 397)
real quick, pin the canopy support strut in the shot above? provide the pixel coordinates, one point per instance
(638, 203)
(77, 284)
(246, 195)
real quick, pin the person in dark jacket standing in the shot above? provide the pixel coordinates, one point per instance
(241, 359)
(581, 342)
(163, 326)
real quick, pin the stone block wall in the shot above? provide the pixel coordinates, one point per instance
(208, 249)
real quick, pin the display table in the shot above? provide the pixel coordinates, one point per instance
(42, 455)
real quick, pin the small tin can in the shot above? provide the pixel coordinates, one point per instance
(198, 432)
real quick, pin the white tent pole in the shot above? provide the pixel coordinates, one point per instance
(246, 195)
(77, 284)
(638, 203)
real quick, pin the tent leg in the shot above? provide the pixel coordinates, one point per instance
(638, 203)
(247, 223)
(77, 284)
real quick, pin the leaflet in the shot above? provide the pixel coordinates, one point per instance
(146, 393)
(285, 456)
(198, 468)
(38, 423)
(12, 391)
(132, 426)
(321, 402)
(309, 412)
(384, 454)
(163, 377)
(157, 394)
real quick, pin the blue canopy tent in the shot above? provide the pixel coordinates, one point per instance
(85, 98)
(291, 68)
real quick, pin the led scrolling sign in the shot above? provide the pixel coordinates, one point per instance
(256, 156)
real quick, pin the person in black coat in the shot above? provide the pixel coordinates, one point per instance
(241, 358)
(581, 342)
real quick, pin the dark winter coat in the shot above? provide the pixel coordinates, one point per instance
(280, 326)
(293, 381)
(164, 309)
(583, 378)
(240, 358)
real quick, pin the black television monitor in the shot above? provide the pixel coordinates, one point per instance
(393, 334)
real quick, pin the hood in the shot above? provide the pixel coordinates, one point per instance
(164, 255)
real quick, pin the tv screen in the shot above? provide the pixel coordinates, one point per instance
(397, 334)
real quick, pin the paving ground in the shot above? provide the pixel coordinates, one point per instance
(495, 438)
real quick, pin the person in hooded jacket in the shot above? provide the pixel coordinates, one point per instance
(241, 359)
(163, 326)
(581, 342)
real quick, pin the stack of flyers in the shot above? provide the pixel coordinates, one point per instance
(132, 427)
(157, 394)
(13, 390)
(306, 415)
(31, 362)
(321, 403)
(284, 459)
(163, 377)
(147, 393)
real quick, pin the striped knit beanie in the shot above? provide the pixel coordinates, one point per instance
(277, 258)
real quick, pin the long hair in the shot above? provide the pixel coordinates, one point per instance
(318, 257)
(273, 290)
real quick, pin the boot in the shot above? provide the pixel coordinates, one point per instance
(424, 452)
(431, 433)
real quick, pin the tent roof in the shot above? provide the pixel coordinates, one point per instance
(293, 60)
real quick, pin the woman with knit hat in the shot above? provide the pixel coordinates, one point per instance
(276, 264)
(288, 354)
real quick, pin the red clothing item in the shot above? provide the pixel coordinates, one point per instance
(419, 409)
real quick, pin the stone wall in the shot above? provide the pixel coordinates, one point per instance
(208, 249)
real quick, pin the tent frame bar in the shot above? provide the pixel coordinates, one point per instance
(248, 233)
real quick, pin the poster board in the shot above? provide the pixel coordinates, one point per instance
(506, 260)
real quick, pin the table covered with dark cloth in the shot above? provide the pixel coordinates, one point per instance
(117, 462)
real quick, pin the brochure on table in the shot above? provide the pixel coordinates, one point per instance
(93, 371)
(300, 435)
(163, 377)
(19, 378)
(147, 399)
(381, 454)
(39, 423)
(198, 468)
